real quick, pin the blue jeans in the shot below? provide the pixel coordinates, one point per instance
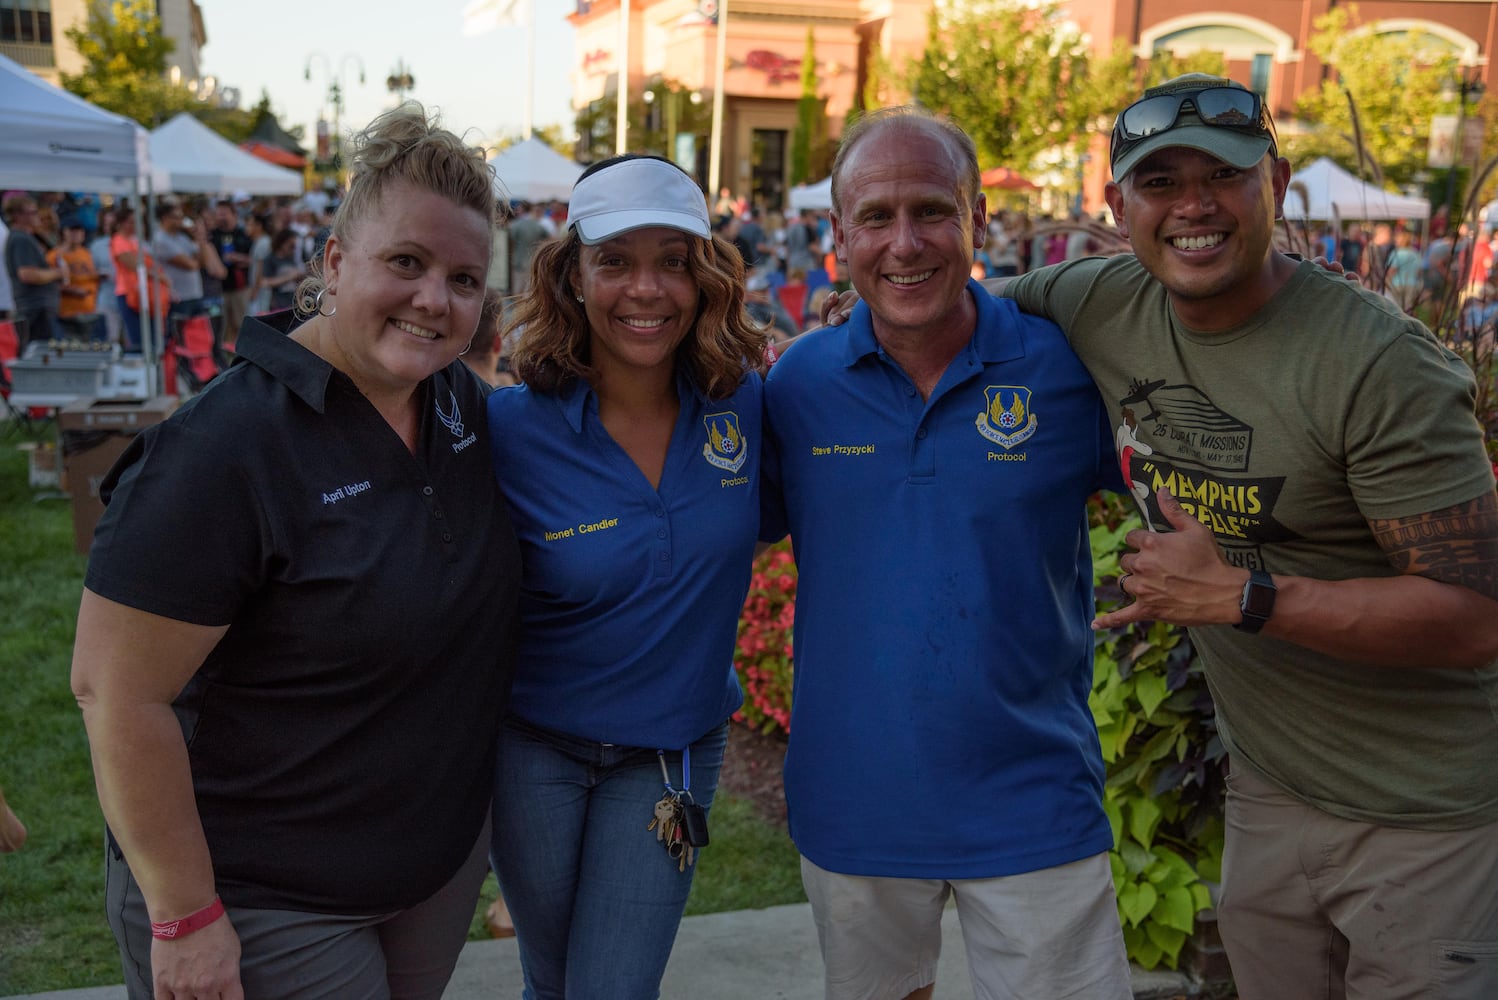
(130, 318)
(39, 323)
(595, 898)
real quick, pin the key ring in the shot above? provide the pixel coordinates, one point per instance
(686, 771)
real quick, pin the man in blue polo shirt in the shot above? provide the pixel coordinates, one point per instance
(932, 459)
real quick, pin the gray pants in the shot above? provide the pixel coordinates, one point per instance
(289, 954)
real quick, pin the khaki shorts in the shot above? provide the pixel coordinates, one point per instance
(1043, 935)
(1315, 906)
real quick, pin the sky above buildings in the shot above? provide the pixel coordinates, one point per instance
(478, 82)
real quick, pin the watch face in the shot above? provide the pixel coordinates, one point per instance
(1258, 600)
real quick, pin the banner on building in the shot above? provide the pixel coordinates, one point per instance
(1442, 152)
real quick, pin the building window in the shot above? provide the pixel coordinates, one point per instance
(1258, 74)
(26, 21)
(767, 167)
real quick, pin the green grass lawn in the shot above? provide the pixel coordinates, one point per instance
(52, 930)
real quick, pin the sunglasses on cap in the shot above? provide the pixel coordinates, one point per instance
(1221, 107)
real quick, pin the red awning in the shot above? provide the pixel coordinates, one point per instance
(1003, 177)
(273, 154)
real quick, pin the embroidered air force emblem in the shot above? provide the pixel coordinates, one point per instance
(726, 447)
(452, 421)
(1007, 420)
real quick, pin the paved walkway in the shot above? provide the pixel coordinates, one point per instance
(766, 954)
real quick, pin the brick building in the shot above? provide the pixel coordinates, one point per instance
(1264, 42)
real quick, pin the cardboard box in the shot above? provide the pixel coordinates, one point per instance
(95, 433)
(44, 465)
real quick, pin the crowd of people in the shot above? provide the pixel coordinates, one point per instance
(431, 628)
(1425, 268)
(73, 264)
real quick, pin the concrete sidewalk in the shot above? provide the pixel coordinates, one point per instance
(742, 955)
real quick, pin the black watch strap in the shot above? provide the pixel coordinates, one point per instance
(1257, 603)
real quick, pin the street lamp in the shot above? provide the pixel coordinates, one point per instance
(1466, 86)
(400, 81)
(335, 96)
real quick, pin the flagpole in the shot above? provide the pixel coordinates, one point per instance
(715, 155)
(621, 121)
(530, 68)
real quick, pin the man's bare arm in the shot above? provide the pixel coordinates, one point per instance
(1440, 611)
(1458, 545)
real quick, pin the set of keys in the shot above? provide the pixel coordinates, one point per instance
(680, 824)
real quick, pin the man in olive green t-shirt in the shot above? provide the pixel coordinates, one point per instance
(1321, 513)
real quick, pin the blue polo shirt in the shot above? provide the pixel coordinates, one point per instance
(940, 726)
(630, 595)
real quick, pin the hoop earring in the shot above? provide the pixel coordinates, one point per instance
(317, 303)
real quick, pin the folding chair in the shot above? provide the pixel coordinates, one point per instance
(16, 418)
(793, 298)
(190, 354)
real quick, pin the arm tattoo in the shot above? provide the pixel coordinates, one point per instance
(1458, 545)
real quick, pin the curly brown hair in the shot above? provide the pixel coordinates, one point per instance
(553, 345)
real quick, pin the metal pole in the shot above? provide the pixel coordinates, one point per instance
(335, 91)
(1467, 87)
(530, 70)
(621, 116)
(1456, 159)
(715, 154)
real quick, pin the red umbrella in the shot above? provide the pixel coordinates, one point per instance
(273, 154)
(1003, 177)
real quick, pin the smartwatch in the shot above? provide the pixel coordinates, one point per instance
(1257, 603)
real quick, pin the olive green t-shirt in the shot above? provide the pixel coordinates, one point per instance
(1285, 435)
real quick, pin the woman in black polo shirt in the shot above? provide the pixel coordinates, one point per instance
(295, 643)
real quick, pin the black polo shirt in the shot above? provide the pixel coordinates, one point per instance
(341, 734)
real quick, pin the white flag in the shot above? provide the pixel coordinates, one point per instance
(485, 15)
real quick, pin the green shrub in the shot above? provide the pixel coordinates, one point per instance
(1164, 790)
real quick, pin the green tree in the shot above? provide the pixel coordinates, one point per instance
(124, 62)
(1374, 117)
(124, 70)
(261, 111)
(809, 140)
(1020, 79)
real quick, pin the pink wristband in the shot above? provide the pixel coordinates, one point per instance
(173, 929)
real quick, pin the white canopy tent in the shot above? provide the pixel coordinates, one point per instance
(530, 170)
(811, 197)
(1324, 191)
(197, 159)
(51, 140)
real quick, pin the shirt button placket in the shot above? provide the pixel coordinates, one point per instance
(663, 535)
(436, 511)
